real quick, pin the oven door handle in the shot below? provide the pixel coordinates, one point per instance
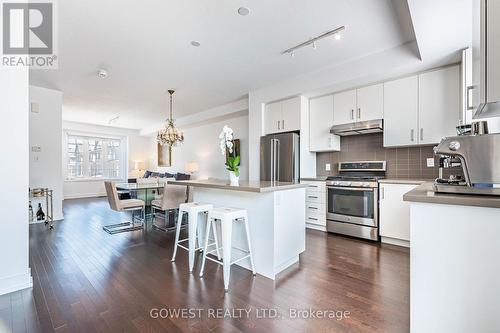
(370, 189)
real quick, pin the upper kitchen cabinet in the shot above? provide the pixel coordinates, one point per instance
(291, 114)
(422, 109)
(361, 104)
(401, 112)
(272, 117)
(486, 58)
(344, 107)
(370, 102)
(438, 104)
(283, 116)
(320, 121)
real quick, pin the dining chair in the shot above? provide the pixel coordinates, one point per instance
(173, 196)
(127, 205)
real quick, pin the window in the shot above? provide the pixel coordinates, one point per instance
(93, 158)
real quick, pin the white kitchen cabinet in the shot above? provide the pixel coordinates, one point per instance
(370, 102)
(344, 107)
(320, 122)
(422, 109)
(283, 116)
(272, 117)
(315, 204)
(291, 114)
(401, 112)
(394, 213)
(438, 104)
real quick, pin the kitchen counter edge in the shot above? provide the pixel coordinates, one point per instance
(262, 187)
(405, 181)
(425, 193)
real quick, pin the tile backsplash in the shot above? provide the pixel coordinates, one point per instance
(402, 163)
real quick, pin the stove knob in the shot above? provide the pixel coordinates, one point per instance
(348, 183)
(454, 145)
(336, 183)
(365, 184)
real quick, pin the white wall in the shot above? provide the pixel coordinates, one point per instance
(139, 149)
(201, 145)
(45, 132)
(14, 167)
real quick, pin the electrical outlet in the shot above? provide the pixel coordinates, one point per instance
(430, 162)
(327, 167)
(35, 107)
(36, 149)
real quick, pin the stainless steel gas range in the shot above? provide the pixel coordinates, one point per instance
(352, 199)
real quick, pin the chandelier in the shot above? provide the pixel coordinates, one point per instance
(170, 135)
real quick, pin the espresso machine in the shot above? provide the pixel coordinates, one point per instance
(479, 158)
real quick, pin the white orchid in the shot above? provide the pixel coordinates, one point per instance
(226, 140)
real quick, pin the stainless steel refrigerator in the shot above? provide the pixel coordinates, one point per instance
(279, 157)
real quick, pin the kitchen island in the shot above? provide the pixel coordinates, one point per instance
(454, 261)
(276, 217)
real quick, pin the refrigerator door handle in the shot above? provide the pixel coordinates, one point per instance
(272, 160)
(278, 159)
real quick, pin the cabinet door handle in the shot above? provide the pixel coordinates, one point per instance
(359, 113)
(283, 124)
(312, 218)
(312, 197)
(352, 114)
(422, 134)
(412, 134)
(278, 124)
(382, 193)
(468, 99)
(312, 207)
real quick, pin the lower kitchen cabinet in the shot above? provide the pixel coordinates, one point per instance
(315, 205)
(394, 214)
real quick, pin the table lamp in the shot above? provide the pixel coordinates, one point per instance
(191, 167)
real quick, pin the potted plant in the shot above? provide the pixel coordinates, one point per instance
(227, 148)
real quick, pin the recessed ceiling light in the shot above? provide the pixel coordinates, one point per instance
(102, 73)
(195, 43)
(243, 11)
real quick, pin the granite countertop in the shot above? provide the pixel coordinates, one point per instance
(425, 193)
(245, 186)
(404, 181)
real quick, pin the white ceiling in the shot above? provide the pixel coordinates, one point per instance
(145, 46)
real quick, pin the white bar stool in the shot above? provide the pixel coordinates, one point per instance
(193, 209)
(227, 216)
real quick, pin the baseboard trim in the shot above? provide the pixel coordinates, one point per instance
(395, 241)
(85, 195)
(17, 282)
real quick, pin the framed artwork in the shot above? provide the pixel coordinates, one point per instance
(236, 150)
(164, 155)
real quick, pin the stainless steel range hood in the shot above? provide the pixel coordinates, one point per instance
(361, 127)
(487, 110)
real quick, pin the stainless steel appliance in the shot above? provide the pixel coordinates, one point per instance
(352, 199)
(360, 127)
(279, 157)
(479, 157)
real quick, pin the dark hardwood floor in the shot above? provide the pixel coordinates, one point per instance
(88, 281)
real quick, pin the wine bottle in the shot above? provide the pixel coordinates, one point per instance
(40, 215)
(30, 212)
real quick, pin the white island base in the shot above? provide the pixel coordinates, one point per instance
(277, 224)
(455, 271)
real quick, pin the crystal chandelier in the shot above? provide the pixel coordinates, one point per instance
(170, 135)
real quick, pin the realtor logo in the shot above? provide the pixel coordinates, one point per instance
(28, 34)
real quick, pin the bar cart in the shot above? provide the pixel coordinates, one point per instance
(40, 193)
